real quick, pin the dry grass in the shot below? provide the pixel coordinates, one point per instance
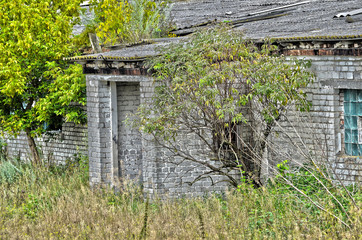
(48, 204)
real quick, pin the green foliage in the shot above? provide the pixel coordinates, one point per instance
(36, 84)
(3, 152)
(31, 206)
(129, 21)
(195, 73)
(65, 95)
(216, 81)
(311, 185)
(80, 163)
(112, 17)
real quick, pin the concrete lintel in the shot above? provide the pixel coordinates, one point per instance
(122, 78)
(342, 84)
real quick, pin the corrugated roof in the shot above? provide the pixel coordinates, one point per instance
(287, 20)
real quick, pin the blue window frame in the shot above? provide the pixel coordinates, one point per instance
(353, 122)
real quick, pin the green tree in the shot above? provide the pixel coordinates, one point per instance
(36, 85)
(118, 21)
(226, 92)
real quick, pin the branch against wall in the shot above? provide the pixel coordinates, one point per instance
(225, 93)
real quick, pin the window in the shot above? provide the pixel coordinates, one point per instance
(353, 122)
(54, 125)
(225, 140)
(359, 122)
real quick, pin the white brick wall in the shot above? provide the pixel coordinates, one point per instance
(55, 148)
(323, 133)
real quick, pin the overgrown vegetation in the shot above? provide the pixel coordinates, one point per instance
(120, 21)
(37, 87)
(228, 94)
(56, 202)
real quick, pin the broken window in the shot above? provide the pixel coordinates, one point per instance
(54, 125)
(353, 122)
(225, 141)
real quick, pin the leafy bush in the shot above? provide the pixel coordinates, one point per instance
(35, 82)
(9, 171)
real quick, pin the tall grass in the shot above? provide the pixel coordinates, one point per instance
(57, 203)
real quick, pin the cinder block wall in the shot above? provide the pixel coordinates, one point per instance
(99, 135)
(129, 139)
(322, 129)
(140, 158)
(56, 147)
(167, 175)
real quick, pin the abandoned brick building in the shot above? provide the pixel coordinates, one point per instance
(329, 33)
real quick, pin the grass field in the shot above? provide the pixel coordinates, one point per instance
(57, 203)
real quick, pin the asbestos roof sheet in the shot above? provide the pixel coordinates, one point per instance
(312, 18)
(257, 19)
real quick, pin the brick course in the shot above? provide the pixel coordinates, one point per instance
(322, 130)
(56, 147)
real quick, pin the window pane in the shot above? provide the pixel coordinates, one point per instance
(348, 136)
(359, 108)
(354, 136)
(360, 96)
(348, 122)
(355, 149)
(348, 147)
(352, 109)
(353, 122)
(353, 97)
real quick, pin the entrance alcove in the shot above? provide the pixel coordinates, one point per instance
(115, 147)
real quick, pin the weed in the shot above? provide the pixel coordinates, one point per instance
(202, 224)
(57, 203)
(10, 171)
(31, 206)
(143, 234)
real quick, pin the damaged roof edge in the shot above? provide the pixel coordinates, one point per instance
(111, 58)
(319, 38)
(351, 13)
(279, 40)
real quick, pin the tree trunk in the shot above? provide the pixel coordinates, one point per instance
(95, 43)
(32, 145)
